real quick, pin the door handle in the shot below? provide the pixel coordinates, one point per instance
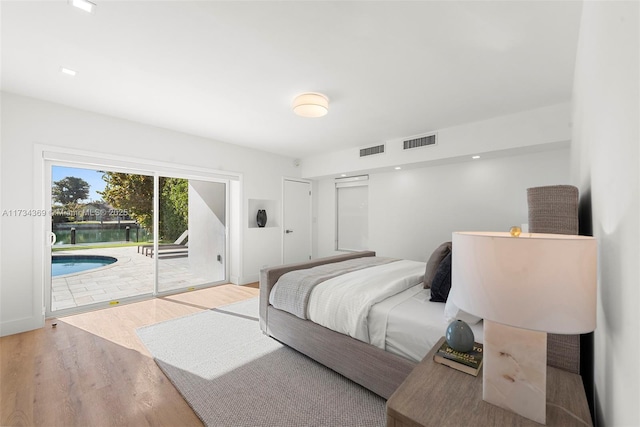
(288, 231)
(52, 238)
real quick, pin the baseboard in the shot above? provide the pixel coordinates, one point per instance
(20, 325)
(245, 280)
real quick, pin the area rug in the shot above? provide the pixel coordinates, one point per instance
(233, 375)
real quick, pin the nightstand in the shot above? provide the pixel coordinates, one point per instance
(436, 395)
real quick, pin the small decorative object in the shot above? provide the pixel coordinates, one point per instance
(261, 218)
(515, 231)
(459, 336)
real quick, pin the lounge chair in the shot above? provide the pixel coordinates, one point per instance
(175, 249)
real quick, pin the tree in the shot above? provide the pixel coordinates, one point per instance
(70, 190)
(130, 192)
(134, 193)
(174, 207)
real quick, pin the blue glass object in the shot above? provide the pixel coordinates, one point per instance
(459, 336)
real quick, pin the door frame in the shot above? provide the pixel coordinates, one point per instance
(305, 181)
(45, 156)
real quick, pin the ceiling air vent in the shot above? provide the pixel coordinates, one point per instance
(369, 151)
(422, 141)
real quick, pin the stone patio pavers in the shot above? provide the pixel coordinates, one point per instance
(132, 275)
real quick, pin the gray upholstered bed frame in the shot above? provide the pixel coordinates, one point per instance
(369, 366)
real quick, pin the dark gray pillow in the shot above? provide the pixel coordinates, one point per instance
(434, 261)
(441, 284)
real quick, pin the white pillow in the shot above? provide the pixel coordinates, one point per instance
(452, 312)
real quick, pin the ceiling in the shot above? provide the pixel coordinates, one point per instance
(228, 70)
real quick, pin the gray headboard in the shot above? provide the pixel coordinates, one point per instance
(554, 209)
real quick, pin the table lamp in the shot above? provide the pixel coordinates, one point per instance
(523, 286)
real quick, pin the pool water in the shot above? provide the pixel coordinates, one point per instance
(68, 264)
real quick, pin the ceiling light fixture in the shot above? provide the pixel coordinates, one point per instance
(85, 5)
(68, 71)
(311, 104)
(397, 168)
(475, 157)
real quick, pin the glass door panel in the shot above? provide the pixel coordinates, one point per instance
(102, 222)
(192, 223)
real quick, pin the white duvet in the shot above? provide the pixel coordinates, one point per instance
(342, 304)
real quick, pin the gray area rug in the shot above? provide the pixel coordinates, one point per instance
(233, 375)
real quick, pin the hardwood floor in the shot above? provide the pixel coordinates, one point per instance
(91, 370)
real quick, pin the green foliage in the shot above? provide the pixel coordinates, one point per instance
(174, 207)
(130, 192)
(134, 193)
(70, 190)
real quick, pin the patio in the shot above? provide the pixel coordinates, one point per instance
(131, 275)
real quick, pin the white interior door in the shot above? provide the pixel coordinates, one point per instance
(296, 221)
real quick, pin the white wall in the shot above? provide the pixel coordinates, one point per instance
(412, 211)
(27, 122)
(605, 165)
(524, 131)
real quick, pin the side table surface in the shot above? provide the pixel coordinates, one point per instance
(436, 395)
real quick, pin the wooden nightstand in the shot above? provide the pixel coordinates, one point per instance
(436, 395)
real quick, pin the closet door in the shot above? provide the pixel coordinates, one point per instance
(297, 221)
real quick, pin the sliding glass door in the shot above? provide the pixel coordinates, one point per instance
(192, 224)
(119, 235)
(99, 221)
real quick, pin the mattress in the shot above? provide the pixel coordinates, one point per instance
(383, 305)
(410, 323)
(343, 303)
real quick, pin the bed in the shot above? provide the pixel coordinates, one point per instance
(376, 345)
(404, 326)
(401, 327)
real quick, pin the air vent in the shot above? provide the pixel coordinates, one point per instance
(370, 151)
(423, 141)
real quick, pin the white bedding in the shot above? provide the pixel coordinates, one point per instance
(409, 325)
(342, 304)
(385, 306)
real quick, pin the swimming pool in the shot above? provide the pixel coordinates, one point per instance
(68, 264)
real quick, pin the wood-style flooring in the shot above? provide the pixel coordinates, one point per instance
(92, 370)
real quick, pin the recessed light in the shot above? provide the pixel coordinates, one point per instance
(68, 71)
(475, 157)
(85, 5)
(397, 168)
(343, 175)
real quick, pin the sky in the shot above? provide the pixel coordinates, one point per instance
(93, 177)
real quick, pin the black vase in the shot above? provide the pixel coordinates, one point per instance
(261, 218)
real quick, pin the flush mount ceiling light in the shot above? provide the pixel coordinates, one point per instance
(85, 5)
(311, 104)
